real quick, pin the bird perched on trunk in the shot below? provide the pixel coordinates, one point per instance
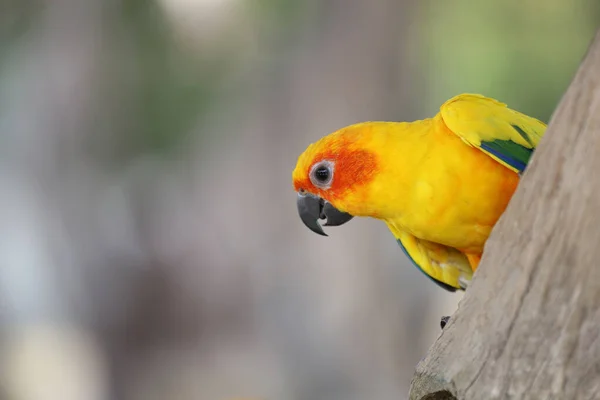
(440, 184)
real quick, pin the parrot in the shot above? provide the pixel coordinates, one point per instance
(440, 184)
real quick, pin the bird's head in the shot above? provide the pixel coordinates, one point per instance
(333, 177)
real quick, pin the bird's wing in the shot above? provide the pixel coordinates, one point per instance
(446, 266)
(504, 134)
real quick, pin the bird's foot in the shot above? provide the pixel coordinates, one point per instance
(444, 321)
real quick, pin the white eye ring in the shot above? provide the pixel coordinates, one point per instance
(321, 174)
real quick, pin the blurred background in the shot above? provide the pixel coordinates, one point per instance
(150, 245)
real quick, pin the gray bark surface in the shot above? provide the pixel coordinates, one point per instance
(529, 325)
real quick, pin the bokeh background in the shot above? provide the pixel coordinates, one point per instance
(150, 246)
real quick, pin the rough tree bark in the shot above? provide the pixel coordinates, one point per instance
(529, 325)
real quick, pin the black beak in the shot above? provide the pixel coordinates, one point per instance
(312, 208)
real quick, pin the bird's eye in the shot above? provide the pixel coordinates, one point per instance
(322, 174)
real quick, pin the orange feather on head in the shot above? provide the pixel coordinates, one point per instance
(353, 167)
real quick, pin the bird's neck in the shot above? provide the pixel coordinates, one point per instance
(400, 148)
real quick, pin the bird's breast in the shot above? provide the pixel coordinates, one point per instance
(456, 196)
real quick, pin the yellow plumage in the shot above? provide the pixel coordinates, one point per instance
(440, 184)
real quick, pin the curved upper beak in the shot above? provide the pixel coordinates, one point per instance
(312, 208)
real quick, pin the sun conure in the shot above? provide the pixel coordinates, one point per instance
(440, 184)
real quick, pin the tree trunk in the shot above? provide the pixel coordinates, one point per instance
(529, 325)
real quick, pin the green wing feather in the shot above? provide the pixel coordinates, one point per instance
(506, 135)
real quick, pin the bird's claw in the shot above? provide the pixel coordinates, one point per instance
(444, 321)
